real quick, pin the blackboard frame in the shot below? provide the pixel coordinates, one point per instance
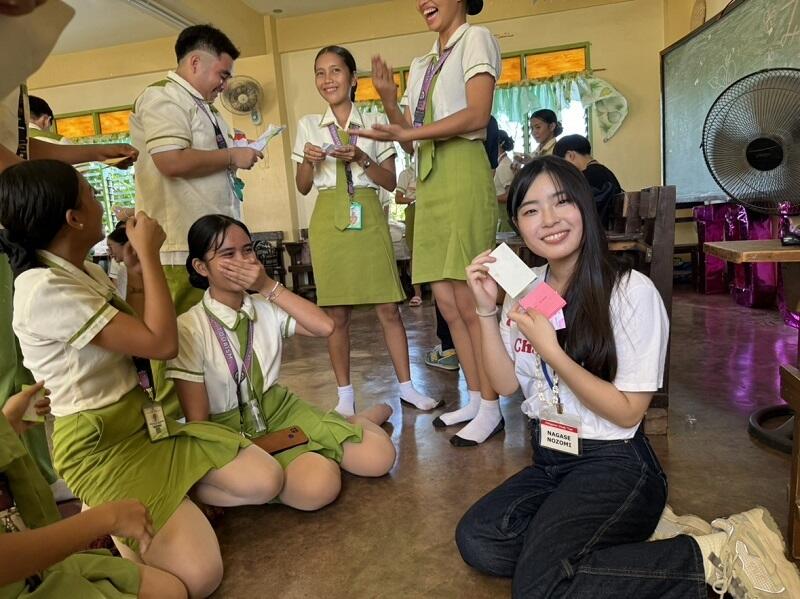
(689, 36)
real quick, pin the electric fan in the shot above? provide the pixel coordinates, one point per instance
(243, 96)
(751, 145)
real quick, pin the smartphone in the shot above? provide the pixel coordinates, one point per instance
(281, 440)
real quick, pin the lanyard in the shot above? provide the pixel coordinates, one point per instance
(430, 73)
(348, 172)
(221, 143)
(145, 374)
(227, 351)
(542, 375)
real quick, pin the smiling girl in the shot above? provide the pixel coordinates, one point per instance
(573, 524)
(443, 120)
(351, 250)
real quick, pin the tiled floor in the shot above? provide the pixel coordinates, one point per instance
(393, 537)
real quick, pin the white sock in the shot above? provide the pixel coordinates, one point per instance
(411, 395)
(468, 412)
(709, 544)
(484, 423)
(347, 401)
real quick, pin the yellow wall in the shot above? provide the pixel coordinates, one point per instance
(625, 40)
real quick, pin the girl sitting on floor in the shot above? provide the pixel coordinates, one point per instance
(110, 440)
(229, 364)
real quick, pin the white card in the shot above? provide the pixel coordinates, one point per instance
(263, 140)
(328, 148)
(510, 272)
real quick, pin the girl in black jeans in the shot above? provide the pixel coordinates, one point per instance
(574, 524)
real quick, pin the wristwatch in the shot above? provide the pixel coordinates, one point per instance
(366, 164)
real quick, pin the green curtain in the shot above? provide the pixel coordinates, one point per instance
(517, 101)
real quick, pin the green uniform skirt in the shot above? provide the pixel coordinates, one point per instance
(456, 215)
(326, 431)
(353, 267)
(86, 575)
(411, 210)
(106, 455)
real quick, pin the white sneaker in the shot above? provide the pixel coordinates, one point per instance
(752, 563)
(671, 525)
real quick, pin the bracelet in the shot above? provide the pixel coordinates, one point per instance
(486, 314)
(278, 293)
(272, 295)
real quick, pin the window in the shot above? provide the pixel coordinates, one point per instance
(112, 186)
(540, 64)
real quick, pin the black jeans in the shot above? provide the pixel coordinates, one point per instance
(575, 526)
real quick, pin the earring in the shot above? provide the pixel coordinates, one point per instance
(80, 226)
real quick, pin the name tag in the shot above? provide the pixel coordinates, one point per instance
(356, 222)
(156, 422)
(560, 432)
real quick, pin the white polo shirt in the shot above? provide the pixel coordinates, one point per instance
(200, 358)
(172, 115)
(503, 175)
(313, 128)
(476, 51)
(407, 183)
(641, 333)
(57, 312)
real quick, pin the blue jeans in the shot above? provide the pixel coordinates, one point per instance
(575, 526)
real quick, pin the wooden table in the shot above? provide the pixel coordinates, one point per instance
(771, 250)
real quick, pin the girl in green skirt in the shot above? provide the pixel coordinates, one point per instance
(110, 440)
(229, 364)
(351, 250)
(43, 556)
(446, 108)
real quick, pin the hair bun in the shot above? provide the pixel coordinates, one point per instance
(19, 257)
(196, 280)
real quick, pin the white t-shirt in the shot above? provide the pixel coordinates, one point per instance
(313, 128)
(503, 175)
(200, 358)
(57, 312)
(407, 183)
(168, 116)
(476, 51)
(641, 332)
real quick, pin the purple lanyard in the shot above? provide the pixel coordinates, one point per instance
(227, 350)
(433, 69)
(348, 173)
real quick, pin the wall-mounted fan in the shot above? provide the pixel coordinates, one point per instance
(751, 143)
(243, 95)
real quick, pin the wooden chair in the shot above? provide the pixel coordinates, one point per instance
(790, 392)
(301, 270)
(269, 249)
(643, 226)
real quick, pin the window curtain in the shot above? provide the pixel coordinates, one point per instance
(518, 100)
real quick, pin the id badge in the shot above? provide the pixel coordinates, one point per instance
(559, 432)
(356, 222)
(156, 422)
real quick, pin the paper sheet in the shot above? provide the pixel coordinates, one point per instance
(261, 143)
(26, 41)
(510, 272)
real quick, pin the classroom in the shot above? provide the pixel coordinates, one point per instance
(580, 375)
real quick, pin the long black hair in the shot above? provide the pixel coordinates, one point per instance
(505, 141)
(34, 199)
(348, 60)
(207, 234)
(549, 117)
(119, 234)
(589, 337)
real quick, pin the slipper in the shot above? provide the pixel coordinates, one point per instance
(415, 301)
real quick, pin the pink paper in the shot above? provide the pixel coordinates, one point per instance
(544, 299)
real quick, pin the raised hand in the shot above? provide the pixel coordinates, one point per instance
(245, 274)
(387, 133)
(483, 286)
(537, 329)
(383, 80)
(144, 233)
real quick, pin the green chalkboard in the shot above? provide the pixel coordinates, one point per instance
(750, 35)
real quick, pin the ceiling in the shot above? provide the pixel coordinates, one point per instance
(103, 23)
(302, 7)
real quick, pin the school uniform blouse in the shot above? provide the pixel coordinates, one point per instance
(503, 175)
(200, 358)
(313, 128)
(546, 149)
(641, 332)
(407, 184)
(58, 310)
(475, 51)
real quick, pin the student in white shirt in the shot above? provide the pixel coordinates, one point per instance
(503, 176)
(117, 269)
(545, 128)
(222, 261)
(456, 208)
(351, 250)
(109, 440)
(574, 523)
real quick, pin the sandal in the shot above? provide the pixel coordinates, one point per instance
(415, 301)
